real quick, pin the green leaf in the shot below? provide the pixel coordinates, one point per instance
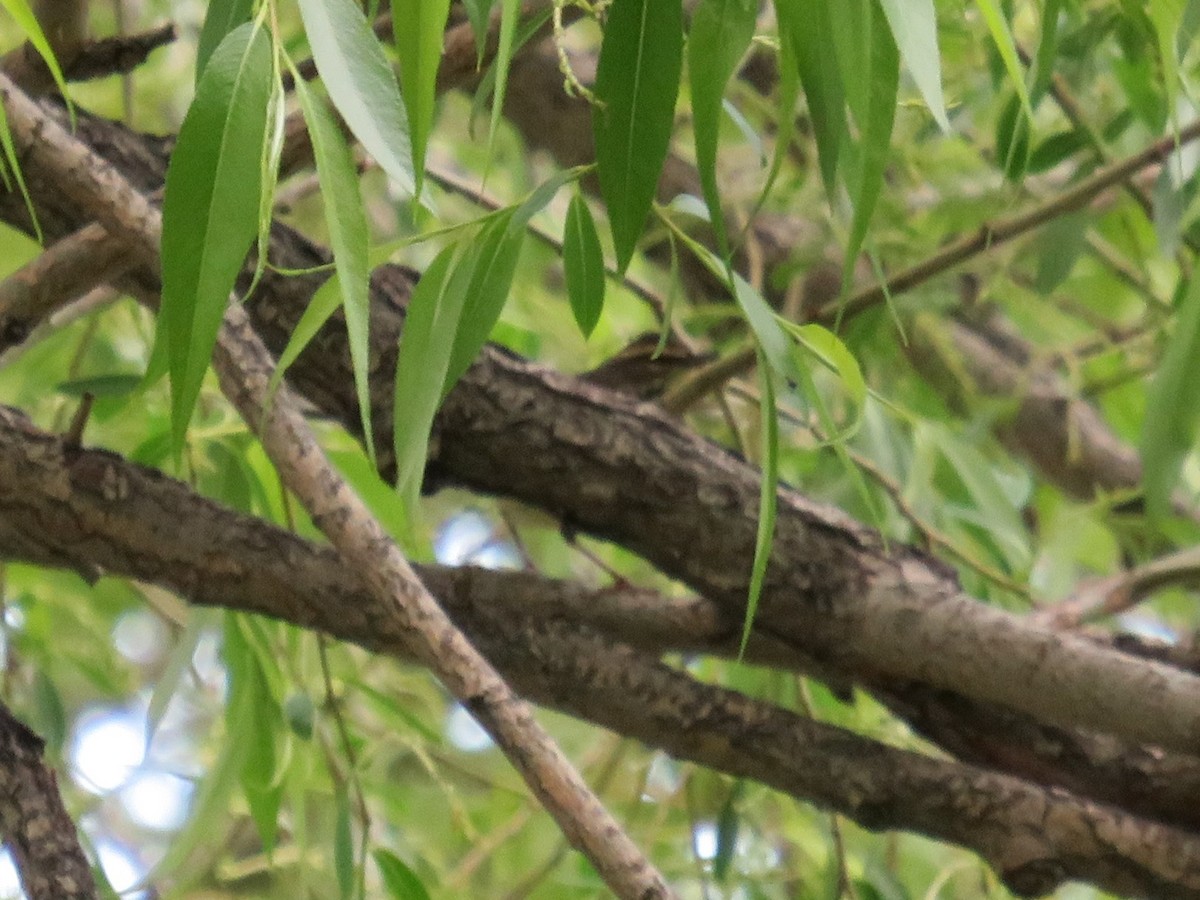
(583, 263)
(349, 238)
(208, 225)
(1047, 49)
(114, 385)
(720, 33)
(360, 84)
(1002, 37)
(914, 28)
(494, 257)
(222, 17)
(768, 496)
(401, 882)
(1173, 407)
(419, 27)
(324, 303)
(478, 13)
(807, 25)
(879, 69)
(425, 346)
(637, 79)
(26, 21)
(510, 11)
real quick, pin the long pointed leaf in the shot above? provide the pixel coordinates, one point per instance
(637, 80)
(914, 28)
(583, 263)
(348, 236)
(806, 25)
(222, 17)
(418, 26)
(720, 33)
(360, 84)
(208, 225)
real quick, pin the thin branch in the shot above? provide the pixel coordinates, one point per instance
(990, 235)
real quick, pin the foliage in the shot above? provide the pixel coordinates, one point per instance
(317, 769)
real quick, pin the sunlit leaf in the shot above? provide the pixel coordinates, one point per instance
(349, 238)
(721, 31)
(583, 264)
(208, 225)
(914, 28)
(637, 79)
(360, 84)
(1173, 406)
(419, 26)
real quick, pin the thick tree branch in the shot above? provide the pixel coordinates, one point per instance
(90, 509)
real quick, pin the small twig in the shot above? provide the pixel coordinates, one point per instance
(73, 436)
(988, 236)
(1117, 593)
(118, 55)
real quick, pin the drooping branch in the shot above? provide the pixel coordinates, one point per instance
(68, 506)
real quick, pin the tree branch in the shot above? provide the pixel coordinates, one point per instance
(37, 827)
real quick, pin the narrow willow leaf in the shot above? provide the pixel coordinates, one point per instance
(348, 237)
(720, 33)
(767, 497)
(1173, 407)
(494, 257)
(425, 344)
(478, 13)
(273, 153)
(222, 17)
(324, 303)
(881, 70)
(510, 11)
(418, 26)
(1002, 37)
(829, 350)
(26, 21)
(637, 79)
(807, 26)
(583, 263)
(401, 882)
(14, 166)
(914, 28)
(360, 84)
(208, 225)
